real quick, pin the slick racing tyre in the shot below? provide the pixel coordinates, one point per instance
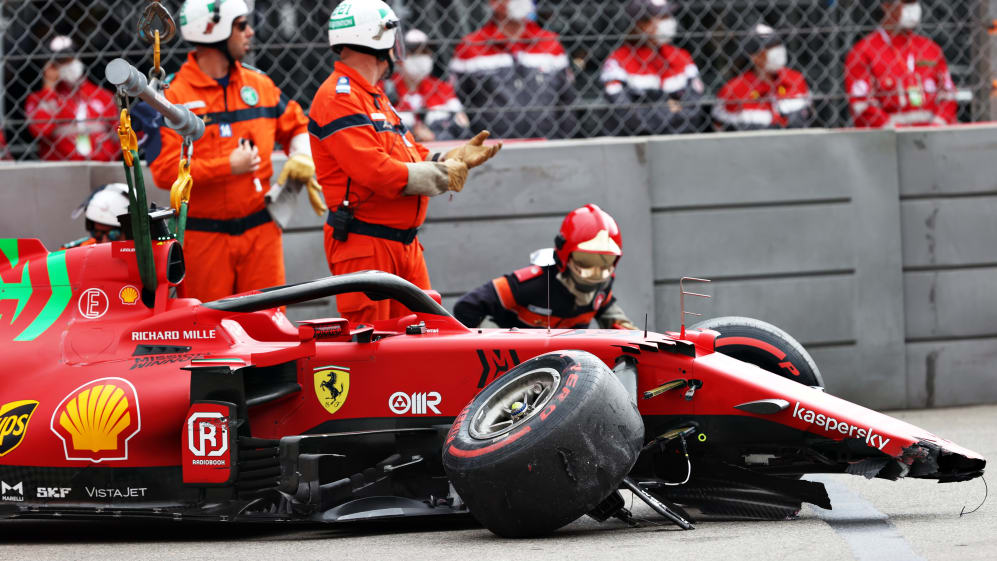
(543, 444)
(766, 346)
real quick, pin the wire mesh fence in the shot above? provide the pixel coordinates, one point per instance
(549, 68)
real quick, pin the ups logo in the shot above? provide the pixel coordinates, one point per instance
(14, 417)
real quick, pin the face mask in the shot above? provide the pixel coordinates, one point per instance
(910, 16)
(417, 67)
(519, 10)
(775, 59)
(71, 72)
(590, 276)
(666, 30)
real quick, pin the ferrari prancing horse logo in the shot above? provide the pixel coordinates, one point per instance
(332, 384)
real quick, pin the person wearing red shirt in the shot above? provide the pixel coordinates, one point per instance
(232, 244)
(72, 118)
(515, 76)
(895, 77)
(371, 169)
(653, 86)
(768, 95)
(428, 106)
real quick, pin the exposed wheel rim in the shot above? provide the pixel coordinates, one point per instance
(515, 403)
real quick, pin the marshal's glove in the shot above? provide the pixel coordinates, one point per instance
(474, 153)
(456, 174)
(301, 169)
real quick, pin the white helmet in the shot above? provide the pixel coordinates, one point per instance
(105, 204)
(370, 24)
(210, 21)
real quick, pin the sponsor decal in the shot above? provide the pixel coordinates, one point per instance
(342, 23)
(127, 493)
(207, 446)
(230, 362)
(12, 493)
(41, 295)
(343, 9)
(128, 295)
(401, 403)
(343, 85)
(495, 363)
(249, 95)
(96, 420)
(332, 385)
(53, 492)
(162, 360)
(93, 303)
(830, 424)
(179, 335)
(207, 434)
(14, 417)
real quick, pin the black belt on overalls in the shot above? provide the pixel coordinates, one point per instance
(232, 227)
(404, 237)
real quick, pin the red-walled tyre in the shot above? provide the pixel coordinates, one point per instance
(543, 444)
(766, 346)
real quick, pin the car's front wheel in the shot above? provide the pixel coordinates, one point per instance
(544, 444)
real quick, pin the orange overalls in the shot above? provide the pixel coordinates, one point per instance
(360, 147)
(232, 245)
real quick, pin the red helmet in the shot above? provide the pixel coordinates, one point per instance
(589, 229)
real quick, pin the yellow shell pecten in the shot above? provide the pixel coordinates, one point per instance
(96, 417)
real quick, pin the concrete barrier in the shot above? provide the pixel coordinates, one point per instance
(874, 248)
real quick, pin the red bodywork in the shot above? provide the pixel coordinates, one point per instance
(112, 377)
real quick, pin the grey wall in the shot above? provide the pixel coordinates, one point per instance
(874, 248)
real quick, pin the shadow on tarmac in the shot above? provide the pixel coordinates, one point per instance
(155, 531)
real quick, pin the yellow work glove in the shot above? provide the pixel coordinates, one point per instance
(315, 197)
(299, 167)
(475, 153)
(457, 173)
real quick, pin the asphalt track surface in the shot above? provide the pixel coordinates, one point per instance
(872, 521)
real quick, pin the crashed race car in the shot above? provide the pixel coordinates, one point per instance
(123, 400)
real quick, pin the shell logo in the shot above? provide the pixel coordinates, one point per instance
(128, 295)
(96, 420)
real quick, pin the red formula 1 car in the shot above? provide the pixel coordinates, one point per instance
(120, 399)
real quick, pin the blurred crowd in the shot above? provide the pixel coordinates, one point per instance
(513, 77)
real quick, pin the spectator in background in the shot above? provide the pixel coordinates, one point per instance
(896, 77)
(72, 118)
(654, 86)
(515, 75)
(4, 151)
(428, 106)
(768, 95)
